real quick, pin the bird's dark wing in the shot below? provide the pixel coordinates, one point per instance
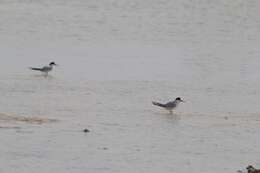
(159, 104)
(39, 69)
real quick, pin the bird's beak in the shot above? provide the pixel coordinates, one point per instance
(183, 101)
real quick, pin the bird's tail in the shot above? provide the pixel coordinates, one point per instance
(158, 104)
(32, 68)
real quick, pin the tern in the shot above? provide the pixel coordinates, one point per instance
(45, 69)
(170, 105)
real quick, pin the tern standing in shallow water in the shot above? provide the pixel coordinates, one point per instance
(45, 69)
(170, 105)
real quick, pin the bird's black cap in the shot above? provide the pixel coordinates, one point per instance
(53, 63)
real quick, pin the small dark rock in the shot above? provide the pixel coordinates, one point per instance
(251, 169)
(86, 130)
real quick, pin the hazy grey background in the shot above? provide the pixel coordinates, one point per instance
(115, 57)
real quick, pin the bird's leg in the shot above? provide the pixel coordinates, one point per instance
(46, 74)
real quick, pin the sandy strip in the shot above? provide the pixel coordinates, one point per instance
(32, 120)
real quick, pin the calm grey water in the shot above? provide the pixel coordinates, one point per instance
(115, 57)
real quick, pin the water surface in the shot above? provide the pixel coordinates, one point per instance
(115, 57)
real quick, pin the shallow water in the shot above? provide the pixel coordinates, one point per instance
(115, 57)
